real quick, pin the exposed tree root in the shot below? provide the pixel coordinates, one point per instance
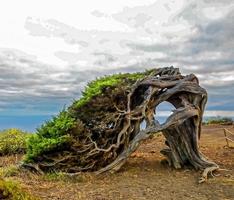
(206, 172)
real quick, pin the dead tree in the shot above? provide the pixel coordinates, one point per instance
(108, 126)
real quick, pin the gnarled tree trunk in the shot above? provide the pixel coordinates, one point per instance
(111, 123)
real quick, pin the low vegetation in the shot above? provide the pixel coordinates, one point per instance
(9, 171)
(11, 190)
(13, 141)
(219, 120)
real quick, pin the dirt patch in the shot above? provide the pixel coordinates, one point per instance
(144, 177)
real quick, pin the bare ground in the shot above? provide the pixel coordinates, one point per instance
(143, 177)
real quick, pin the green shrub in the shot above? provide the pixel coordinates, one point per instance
(12, 190)
(52, 135)
(220, 120)
(13, 141)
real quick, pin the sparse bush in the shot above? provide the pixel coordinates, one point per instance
(220, 120)
(13, 141)
(12, 190)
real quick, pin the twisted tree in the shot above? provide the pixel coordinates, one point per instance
(103, 128)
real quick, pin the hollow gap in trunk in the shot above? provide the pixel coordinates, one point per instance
(143, 125)
(163, 111)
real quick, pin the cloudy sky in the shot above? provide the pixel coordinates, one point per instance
(50, 49)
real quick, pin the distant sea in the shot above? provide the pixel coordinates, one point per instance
(26, 123)
(31, 123)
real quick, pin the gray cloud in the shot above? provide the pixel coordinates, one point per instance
(31, 87)
(199, 38)
(207, 52)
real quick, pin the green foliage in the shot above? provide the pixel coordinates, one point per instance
(58, 133)
(58, 126)
(13, 141)
(95, 87)
(12, 190)
(220, 120)
(50, 136)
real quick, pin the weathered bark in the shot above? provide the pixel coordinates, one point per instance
(111, 125)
